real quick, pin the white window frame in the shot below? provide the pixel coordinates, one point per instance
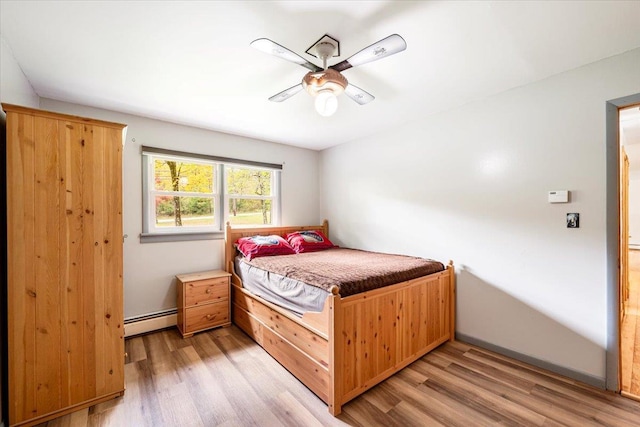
(152, 193)
(151, 233)
(274, 197)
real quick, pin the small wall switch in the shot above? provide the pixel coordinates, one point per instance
(559, 196)
(573, 220)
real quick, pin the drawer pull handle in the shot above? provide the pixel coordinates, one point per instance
(208, 290)
(210, 316)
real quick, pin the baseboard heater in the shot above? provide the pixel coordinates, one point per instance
(150, 322)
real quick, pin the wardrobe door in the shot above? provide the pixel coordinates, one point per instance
(21, 269)
(91, 242)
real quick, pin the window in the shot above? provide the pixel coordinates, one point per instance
(183, 194)
(249, 193)
(191, 196)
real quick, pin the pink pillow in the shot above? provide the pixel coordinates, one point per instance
(257, 246)
(309, 241)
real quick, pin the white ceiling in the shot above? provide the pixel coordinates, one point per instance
(191, 63)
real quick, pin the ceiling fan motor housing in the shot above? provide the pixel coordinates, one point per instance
(329, 79)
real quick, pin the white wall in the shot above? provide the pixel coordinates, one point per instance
(149, 268)
(14, 86)
(471, 185)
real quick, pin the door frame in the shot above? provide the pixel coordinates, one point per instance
(612, 142)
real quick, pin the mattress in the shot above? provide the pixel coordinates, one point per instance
(301, 282)
(294, 295)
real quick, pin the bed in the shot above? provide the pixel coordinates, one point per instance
(356, 341)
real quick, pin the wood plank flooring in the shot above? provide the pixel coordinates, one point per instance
(630, 330)
(222, 378)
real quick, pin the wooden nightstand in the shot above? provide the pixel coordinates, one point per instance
(203, 301)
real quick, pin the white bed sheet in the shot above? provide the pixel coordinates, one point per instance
(297, 297)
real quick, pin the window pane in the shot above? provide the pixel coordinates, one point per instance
(248, 182)
(249, 211)
(173, 211)
(171, 175)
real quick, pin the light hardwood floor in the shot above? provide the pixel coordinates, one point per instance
(222, 378)
(630, 330)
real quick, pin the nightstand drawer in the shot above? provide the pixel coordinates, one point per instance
(207, 316)
(204, 291)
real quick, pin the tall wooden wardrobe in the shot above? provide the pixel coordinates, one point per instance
(64, 263)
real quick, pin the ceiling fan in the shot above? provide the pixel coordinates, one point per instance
(326, 83)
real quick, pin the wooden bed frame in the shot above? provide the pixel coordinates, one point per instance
(356, 341)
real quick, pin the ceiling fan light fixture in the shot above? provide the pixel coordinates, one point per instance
(314, 82)
(325, 86)
(326, 102)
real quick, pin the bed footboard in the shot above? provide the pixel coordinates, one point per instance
(380, 332)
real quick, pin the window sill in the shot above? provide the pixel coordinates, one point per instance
(180, 237)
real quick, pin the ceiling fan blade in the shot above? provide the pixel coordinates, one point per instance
(287, 93)
(360, 96)
(273, 48)
(381, 49)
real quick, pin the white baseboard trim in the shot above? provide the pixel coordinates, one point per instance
(143, 326)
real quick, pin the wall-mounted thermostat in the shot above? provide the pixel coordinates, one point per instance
(559, 196)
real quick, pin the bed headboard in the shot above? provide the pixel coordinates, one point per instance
(234, 233)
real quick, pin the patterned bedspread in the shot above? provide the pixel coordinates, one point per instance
(352, 271)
